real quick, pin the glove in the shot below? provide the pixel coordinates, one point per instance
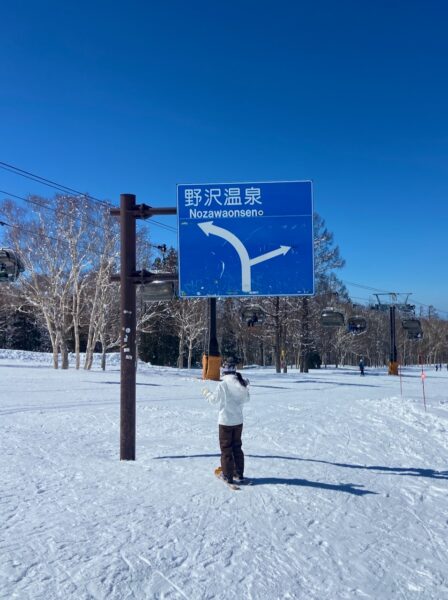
(205, 392)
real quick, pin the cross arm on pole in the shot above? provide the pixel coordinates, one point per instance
(143, 211)
(145, 276)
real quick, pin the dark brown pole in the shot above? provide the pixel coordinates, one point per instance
(213, 348)
(393, 364)
(211, 362)
(128, 327)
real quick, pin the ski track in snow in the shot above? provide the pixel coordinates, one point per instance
(349, 497)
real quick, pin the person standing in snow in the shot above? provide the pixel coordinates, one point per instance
(231, 393)
(361, 366)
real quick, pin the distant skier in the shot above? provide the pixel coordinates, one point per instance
(361, 366)
(231, 393)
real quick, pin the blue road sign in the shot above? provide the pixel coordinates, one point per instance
(246, 239)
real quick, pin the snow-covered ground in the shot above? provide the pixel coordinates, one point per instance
(349, 496)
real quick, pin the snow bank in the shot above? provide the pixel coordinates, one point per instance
(46, 358)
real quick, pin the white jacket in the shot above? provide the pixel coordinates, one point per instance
(231, 396)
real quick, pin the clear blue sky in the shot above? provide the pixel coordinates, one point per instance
(113, 97)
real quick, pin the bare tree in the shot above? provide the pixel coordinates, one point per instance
(190, 318)
(58, 241)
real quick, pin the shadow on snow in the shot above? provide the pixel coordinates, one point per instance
(338, 383)
(411, 471)
(349, 488)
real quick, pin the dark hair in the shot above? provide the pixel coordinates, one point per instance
(243, 382)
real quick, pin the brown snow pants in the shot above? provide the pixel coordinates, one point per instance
(232, 457)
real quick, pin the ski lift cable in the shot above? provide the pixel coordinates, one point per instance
(161, 247)
(36, 203)
(48, 182)
(41, 235)
(365, 287)
(162, 225)
(66, 189)
(387, 292)
(430, 306)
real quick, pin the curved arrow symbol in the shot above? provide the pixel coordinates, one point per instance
(246, 262)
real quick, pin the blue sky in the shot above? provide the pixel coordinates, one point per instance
(110, 97)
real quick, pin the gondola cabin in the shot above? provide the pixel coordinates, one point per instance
(330, 317)
(356, 324)
(10, 265)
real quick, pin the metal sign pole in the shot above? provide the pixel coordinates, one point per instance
(129, 277)
(393, 364)
(128, 326)
(212, 360)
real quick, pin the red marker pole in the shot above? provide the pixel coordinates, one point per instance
(423, 376)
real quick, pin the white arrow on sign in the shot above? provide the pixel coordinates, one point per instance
(268, 255)
(246, 262)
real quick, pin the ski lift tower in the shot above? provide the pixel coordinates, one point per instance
(393, 301)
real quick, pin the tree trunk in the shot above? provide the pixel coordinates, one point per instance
(89, 361)
(55, 355)
(77, 343)
(180, 358)
(190, 353)
(305, 341)
(277, 336)
(64, 355)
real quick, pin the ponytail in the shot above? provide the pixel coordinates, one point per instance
(242, 381)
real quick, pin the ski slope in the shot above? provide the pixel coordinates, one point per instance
(349, 497)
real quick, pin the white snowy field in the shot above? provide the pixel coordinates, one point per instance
(349, 496)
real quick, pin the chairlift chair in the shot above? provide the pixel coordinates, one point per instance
(156, 291)
(330, 317)
(415, 335)
(11, 265)
(407, 310)
(411, 325)
(357, 324)
(253, 314)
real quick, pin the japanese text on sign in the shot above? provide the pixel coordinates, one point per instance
(242, 202)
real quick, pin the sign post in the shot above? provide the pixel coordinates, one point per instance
(128, 324)
(211, 360)
(129, 277)
(245, 239)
